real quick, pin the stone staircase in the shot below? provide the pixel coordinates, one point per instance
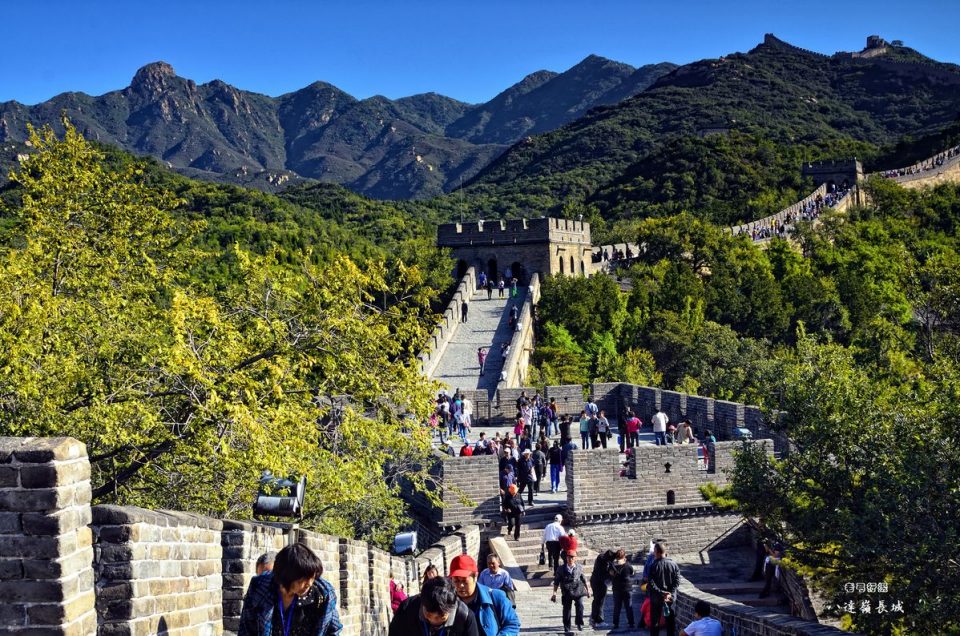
(487, 326)
(727, 574)
(526, 551)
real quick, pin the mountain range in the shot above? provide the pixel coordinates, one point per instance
(725, 138)
(408, 148)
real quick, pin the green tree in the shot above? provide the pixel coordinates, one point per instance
(183, 396)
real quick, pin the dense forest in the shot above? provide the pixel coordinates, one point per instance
(852, 333)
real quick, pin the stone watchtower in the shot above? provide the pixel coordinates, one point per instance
(519, 247)
(841, 174)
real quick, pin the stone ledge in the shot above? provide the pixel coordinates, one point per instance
(110, 515)
(40, 450)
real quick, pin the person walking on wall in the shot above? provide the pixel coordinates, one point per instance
(291, 598)
(435, 610)
(662, 587)
(464, 307)
(490, 285)
(481, 358)
(572, 583)
(551, 541)
(500, 287)
(495, 615)
(555, 457)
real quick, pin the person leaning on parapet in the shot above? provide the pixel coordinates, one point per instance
(265, 562)
(291, 599)
(660, 421)
(435, 611)
(598, 585)
(495, 615)
(704, 625)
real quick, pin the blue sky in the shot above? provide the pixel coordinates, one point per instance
(467, 50)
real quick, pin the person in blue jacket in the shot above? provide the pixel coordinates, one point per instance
(291, 599)
(493, 610)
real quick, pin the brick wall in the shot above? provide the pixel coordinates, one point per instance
(476, 479)
(595, 487)
(46, 578)
(720, 416)
(744, 620)
(685, 531)
(157, 571)
(569, 398)
(243, 543)
(67, 568)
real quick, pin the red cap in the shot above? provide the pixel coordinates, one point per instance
(463, 565)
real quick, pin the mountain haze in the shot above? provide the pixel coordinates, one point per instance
(408, 148)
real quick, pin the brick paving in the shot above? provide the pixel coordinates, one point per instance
(486, 326)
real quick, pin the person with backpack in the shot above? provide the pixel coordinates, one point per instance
(292, 594)
(435, 610)
(621, 576)
(572, 583)
(598, 585)
(513, 509)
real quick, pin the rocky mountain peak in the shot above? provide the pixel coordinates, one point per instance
(153, 77)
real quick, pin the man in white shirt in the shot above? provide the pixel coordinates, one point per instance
(551, 540)
(705, 625)
(660, 421)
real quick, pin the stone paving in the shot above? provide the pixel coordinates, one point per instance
(486, 326)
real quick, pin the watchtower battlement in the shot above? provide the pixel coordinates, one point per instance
(839, 172)
(513, 231)
(522, 246)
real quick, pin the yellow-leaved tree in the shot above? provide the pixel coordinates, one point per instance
(183, 396)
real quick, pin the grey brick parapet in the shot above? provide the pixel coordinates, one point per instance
(46, 553)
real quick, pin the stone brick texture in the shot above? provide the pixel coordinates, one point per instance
(158, 570)
(685, 531)
(67, 568)
(243, 543)
(744, 620)
(666, 477)
(46, 553)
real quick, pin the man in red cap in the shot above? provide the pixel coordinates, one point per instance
(495, 615)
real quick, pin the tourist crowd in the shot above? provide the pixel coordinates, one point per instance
(933, 163)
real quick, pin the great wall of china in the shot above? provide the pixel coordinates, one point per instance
(68, 567)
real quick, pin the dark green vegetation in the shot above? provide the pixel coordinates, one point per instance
(409, 148)
(663, 150)
(854, 333)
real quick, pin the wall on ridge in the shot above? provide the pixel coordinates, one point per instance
(67, 568)
(445, 330)
(720, 416)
